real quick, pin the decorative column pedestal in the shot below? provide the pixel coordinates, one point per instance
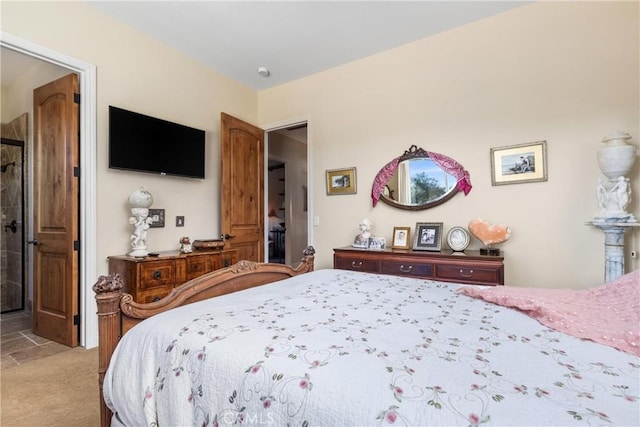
(615, 160)
(613, 246)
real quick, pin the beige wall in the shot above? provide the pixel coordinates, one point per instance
(564, 72)
(140, 74)
(17, 99)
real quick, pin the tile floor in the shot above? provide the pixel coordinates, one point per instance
(18, 344)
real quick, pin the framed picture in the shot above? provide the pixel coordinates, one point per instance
(341, 181)
(157, 218)
(428, 236)
(376, 243)
(401, 238)
(517, 164)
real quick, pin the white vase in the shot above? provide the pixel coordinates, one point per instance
(140, 198)
(617, 156)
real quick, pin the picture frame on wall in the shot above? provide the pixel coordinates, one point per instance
(157, 218)
(341, 181)
(401, 238)
(517, 164)
(428, 236)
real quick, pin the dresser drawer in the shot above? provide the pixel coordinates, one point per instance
(151, 278)
(471, 267)
(469, 274)
(407, 268)
(227, 259)
(156, 294)
(157, 273)
(357, 264)
(198, 265)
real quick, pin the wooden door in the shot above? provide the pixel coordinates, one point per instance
(56, 194)
(242, 204)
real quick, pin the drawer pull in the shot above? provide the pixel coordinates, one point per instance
(407, 270)
(354, 265)
(157, 275)
(463, 274)
(156, 298)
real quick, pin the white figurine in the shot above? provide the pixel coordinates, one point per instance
(141, 221)
(362, 239)
(614, 201)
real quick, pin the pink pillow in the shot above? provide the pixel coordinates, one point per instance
(608, 314)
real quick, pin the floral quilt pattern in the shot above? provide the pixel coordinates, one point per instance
(340, 348)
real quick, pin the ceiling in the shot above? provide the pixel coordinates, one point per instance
(293, 39)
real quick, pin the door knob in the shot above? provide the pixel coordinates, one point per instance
(13, 226)
(228, 236)
(33, 242)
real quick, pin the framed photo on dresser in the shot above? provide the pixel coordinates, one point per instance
(428, 236)
(401, 238)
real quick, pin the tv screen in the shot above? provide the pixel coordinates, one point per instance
(147, 144)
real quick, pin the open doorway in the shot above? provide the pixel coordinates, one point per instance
(12, 283)
(276, 224)
(286, 193)
(21, 74)
(86, 72)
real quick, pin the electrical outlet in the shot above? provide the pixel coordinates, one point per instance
(180, 221)
(634, 254)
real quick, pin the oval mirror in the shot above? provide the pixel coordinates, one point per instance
(419, 184)
(419, 180)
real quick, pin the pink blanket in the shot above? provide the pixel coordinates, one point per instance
(608, 314)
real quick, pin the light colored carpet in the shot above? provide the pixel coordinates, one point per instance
(59, 390)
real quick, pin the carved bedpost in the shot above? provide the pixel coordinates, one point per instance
(108, 292)
(307, 261)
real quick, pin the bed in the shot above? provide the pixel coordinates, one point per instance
(344, 348)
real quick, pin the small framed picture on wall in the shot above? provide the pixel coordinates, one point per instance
(341, 181)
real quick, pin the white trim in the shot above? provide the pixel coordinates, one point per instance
(88, 175)
(265, 196)
(310, 206)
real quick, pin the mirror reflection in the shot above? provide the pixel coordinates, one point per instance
(418, 182)
(419, 179)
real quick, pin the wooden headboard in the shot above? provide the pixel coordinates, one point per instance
(118, 313)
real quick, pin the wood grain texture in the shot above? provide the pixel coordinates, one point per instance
(242, 187)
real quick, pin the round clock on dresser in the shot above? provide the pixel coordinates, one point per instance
(458, 239)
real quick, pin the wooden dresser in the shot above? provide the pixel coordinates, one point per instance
(460, 267)
(150, 278)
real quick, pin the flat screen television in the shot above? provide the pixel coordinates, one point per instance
(146, 144)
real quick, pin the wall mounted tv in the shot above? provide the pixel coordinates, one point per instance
(147, 144)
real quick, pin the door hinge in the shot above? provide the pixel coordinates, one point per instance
(76, 245)
(76, 98)
(76, 171)
(76, 319)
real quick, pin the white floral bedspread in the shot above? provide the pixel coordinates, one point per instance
(342, 348)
